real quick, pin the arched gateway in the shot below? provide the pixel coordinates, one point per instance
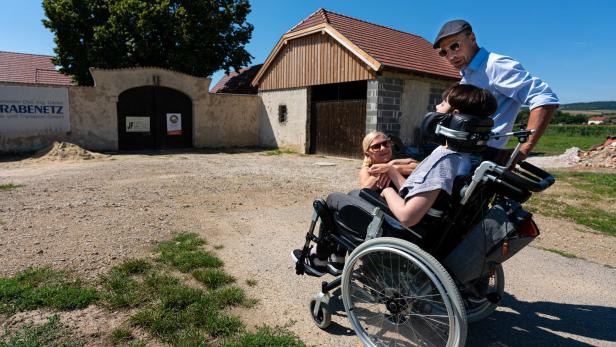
(154, 117)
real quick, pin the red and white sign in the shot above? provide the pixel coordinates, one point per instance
(174, 124)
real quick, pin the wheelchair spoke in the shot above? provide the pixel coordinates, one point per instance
(398, 295)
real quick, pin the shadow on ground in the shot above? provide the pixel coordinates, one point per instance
(520, 323)
(544, 324)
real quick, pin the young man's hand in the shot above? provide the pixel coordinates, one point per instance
(383, 181)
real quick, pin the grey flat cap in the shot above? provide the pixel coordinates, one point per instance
(451, 28)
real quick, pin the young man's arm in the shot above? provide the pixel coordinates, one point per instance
(538, 120)
(411, 211)
(512, 80)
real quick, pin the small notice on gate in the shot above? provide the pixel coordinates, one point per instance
(174, 124)
(137, 124)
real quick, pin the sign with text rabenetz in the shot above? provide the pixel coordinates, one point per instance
(33, 109)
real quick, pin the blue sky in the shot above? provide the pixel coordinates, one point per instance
(569, 44)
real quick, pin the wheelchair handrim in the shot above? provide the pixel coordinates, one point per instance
(452, 314)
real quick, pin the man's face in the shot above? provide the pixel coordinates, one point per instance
(466, 48)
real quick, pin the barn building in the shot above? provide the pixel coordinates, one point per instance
(332, 78)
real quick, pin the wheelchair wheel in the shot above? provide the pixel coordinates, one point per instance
(480, 308)
(394, 293)
(323, 317)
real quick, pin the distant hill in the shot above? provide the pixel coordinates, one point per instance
(587, 106)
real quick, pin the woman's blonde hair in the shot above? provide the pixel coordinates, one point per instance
(365, 144)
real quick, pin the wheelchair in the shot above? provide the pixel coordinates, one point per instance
(422, 285)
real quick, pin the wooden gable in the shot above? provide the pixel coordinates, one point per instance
(313, 59)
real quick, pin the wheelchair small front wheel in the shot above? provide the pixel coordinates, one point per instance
(322, 317)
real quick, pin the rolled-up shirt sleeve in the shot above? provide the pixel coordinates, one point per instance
(509, 78)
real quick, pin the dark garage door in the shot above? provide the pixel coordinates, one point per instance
(338, 127)
(154, 118)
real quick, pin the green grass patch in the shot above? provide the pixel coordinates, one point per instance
(50, 333)
(559, 138)
(121, 292)
(585, 200)
(213, 278)
(167, 308)
(265, 336)
(187, 314)
(122, 286)
(124, 337)
(133, 267)
(162, 305)
(36, 288)
(184, 253)
(561, 253)
(8, 186)
(251, 282)
(603, 185)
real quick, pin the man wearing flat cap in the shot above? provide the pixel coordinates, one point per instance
(510, 83)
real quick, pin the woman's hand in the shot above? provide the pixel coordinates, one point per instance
(377, 169)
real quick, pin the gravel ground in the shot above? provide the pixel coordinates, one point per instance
(92, 214)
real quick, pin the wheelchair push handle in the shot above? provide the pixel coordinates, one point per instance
(540, 182)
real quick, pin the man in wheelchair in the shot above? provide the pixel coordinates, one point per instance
(426, 258)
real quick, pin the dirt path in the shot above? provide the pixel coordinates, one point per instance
(91, 215)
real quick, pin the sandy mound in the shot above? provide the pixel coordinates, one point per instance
(65, 151)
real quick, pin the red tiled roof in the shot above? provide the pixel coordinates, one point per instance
(30, 68)
(392, 48)
(238, 82)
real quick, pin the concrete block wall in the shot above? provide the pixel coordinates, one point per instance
(383, 112)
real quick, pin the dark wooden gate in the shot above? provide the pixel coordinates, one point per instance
(338, 127)
(144, 114)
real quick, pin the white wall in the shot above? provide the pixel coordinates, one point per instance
(291, 134)
(218, 120)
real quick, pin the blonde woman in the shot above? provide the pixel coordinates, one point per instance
(378, 161)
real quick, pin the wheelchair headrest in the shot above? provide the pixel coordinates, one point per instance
(462, 132)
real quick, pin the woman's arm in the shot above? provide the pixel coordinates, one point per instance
(403, 166)
(366, 180)
(411, 211)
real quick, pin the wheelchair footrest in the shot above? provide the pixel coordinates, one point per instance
(303, 266)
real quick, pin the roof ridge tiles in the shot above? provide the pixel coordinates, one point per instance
(364, 21)
(34, 54)
(305, 19)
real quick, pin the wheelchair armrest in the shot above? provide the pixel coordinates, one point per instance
(542, 181)
(375, 199)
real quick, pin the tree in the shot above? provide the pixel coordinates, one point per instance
(197, 37)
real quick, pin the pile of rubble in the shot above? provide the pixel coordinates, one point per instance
(600, 156)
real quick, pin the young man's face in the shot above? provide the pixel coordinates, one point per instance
(460, 49)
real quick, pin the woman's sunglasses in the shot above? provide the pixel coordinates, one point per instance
(377, 146)
(454, 47)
